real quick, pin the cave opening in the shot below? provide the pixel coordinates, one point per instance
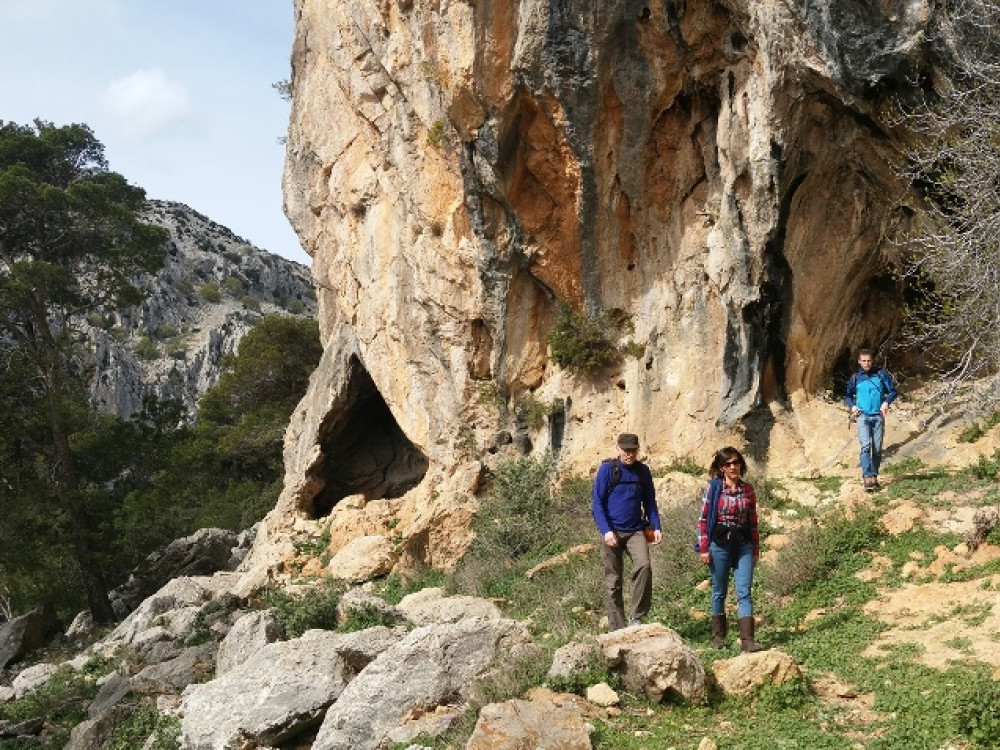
(365, 451)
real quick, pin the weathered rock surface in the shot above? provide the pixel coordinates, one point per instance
(170, 614)
(26, 633)
(655, 660)
(747, 672)
(280, 691)
(364, 558)
(573, 658)
(554, 721)
(430, 606)
(200, 554)
(432, 666)
(249, 634)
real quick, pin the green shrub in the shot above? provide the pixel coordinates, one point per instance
(437, 134)
(146, 349)
(987, 468)
(583, 343)
(527, 516)
(908, 465)
(975, 431)
(395, 586)
(979, 712)
(63, 700)
(210, 292)
(314, 608)
(531, 411)
(250, 302)
(234, 287)
(165, 331)
(142, 724)
(686, 465)
(296, 307)
(364, 616)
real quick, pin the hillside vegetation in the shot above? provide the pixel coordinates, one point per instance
(827, 597)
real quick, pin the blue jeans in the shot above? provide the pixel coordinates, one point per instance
(870, 430)
(719, 564)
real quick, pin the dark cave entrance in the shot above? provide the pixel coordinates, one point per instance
(364, 449)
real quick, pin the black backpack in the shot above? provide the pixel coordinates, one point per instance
(616, 476)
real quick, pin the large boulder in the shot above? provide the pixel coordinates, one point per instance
(747, 672)
(249, 634)
(433, 665)
(430, 605)
(172, 613)
(31, 679)
(24, 634)
(279, 691)
(201, 554)
(655, 660)
(554, 721)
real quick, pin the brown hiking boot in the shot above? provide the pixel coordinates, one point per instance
(747, 644)
(719, 629)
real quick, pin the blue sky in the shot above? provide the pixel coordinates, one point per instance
(178, 91)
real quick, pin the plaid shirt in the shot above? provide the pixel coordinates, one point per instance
(737, 506)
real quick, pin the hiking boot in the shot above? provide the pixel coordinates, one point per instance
(747, 644)
(871, 484)
(719, 629)
(876, 484)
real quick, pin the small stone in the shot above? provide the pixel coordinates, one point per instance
(601, 694)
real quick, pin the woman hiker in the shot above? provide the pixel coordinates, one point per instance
(728, 540)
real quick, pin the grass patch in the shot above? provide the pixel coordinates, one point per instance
(977, 429)
(833, 544)
(908, 465)
(684, 465)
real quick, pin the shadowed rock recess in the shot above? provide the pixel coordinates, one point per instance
(717, 173)
(365, 452)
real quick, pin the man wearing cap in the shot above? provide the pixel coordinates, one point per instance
(624, 506)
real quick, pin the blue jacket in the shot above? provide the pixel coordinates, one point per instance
(631, 502)
(868, 390)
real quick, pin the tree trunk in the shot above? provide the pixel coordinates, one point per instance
(68, 481)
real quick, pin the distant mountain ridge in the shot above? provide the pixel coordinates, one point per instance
(214, 287)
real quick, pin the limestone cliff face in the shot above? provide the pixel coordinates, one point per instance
(719, 172)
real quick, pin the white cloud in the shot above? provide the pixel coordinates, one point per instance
(146, 102)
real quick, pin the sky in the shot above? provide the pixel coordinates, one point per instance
(179, 92)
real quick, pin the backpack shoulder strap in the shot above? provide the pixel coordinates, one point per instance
(616, 476)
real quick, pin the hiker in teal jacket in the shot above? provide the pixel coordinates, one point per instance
(869, 392)
(624, 508)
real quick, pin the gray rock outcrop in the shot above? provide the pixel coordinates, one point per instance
(249, 634)
(25, 633)
(280, 691)
(431, 666)
(213, 288)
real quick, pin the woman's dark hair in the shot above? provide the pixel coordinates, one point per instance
(724, 455)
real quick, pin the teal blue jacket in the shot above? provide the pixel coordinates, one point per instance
(868, 390)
